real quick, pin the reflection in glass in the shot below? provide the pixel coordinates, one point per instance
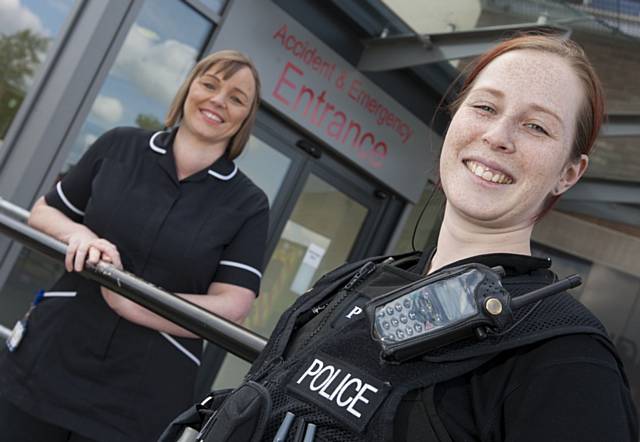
(27, 31)
(160, 49)
(252, 162)
(317, 238)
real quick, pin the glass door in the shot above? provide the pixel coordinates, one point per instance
(318, 236)
(331, 212)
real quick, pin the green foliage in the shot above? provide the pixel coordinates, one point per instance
(146, 121)
(20, 55)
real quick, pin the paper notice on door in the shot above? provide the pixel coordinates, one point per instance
(314, 255)
(310, 263)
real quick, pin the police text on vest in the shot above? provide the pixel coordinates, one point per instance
(343, 389)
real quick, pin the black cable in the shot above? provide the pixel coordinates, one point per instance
(424, 208)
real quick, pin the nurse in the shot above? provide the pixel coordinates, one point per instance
(171, 207)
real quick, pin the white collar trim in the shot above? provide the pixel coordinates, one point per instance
(163, 151)
(224, 177)
(153, 145)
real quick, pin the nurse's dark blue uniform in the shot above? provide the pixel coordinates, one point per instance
(83, 367)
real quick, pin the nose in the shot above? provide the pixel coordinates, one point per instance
(218, 99)
(499, 134)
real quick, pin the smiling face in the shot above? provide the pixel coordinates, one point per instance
(215, 107)
(508, 146)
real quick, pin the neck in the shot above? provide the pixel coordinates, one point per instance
(459, 239)
(193, 154)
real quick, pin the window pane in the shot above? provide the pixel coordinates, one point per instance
(28, 29)
(216, 5)
(158, 53)
(256, 155)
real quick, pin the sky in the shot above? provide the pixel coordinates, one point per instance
(45, 17)
(159, 50)
(157, 54)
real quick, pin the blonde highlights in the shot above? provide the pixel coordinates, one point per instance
(228, 63)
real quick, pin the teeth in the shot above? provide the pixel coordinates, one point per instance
(212, 116)
(487, 174)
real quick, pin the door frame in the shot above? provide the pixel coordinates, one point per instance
(383, 206)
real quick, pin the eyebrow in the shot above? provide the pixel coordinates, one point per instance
(534, 106)
(218, 80)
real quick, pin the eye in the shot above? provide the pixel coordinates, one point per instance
(209, 86)
(237, 100)
(537, 128)
(485, 108)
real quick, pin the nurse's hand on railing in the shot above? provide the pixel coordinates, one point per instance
(84, 246)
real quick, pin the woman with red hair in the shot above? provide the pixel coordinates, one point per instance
(383, 351)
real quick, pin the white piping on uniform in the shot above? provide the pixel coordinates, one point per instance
(224, 177)
(153, 146)
(206, 401)
(59, 294)
(180, 347)
(66, 202)
(241, 266)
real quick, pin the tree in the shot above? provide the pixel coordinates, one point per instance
(147, 121)
(20, 56)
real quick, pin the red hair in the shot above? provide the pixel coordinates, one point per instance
(591, 112)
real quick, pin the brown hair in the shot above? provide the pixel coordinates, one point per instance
(228, 62)
(591, 113)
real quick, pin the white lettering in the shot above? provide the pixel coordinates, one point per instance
(347, 392)
(354, 311)
(313, 369)
(328, 369)
(360, 397)
(339, 387)
(344, 403)
(323, 392)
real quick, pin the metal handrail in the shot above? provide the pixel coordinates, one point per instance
(234, 338)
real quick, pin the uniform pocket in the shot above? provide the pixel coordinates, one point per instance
(43, 325)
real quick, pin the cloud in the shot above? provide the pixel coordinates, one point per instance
(89, 139)
(156, 67)
(15, 17)
(107, 110)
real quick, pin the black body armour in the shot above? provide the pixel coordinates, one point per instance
(322, 366)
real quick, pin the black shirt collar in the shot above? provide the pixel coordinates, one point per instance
(223, 169)
(512, 263)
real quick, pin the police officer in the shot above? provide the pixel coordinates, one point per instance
(170, 207)
(377, 352)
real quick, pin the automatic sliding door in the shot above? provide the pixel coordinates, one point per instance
(319, 235)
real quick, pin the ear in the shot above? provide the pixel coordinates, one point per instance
(572, 172)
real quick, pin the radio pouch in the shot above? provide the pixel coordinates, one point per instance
(241, 417)
(194, 417)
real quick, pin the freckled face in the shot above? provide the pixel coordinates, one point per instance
(215, 108)
(508, 145)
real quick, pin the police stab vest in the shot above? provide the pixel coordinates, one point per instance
(321, 369)
(322, 366)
